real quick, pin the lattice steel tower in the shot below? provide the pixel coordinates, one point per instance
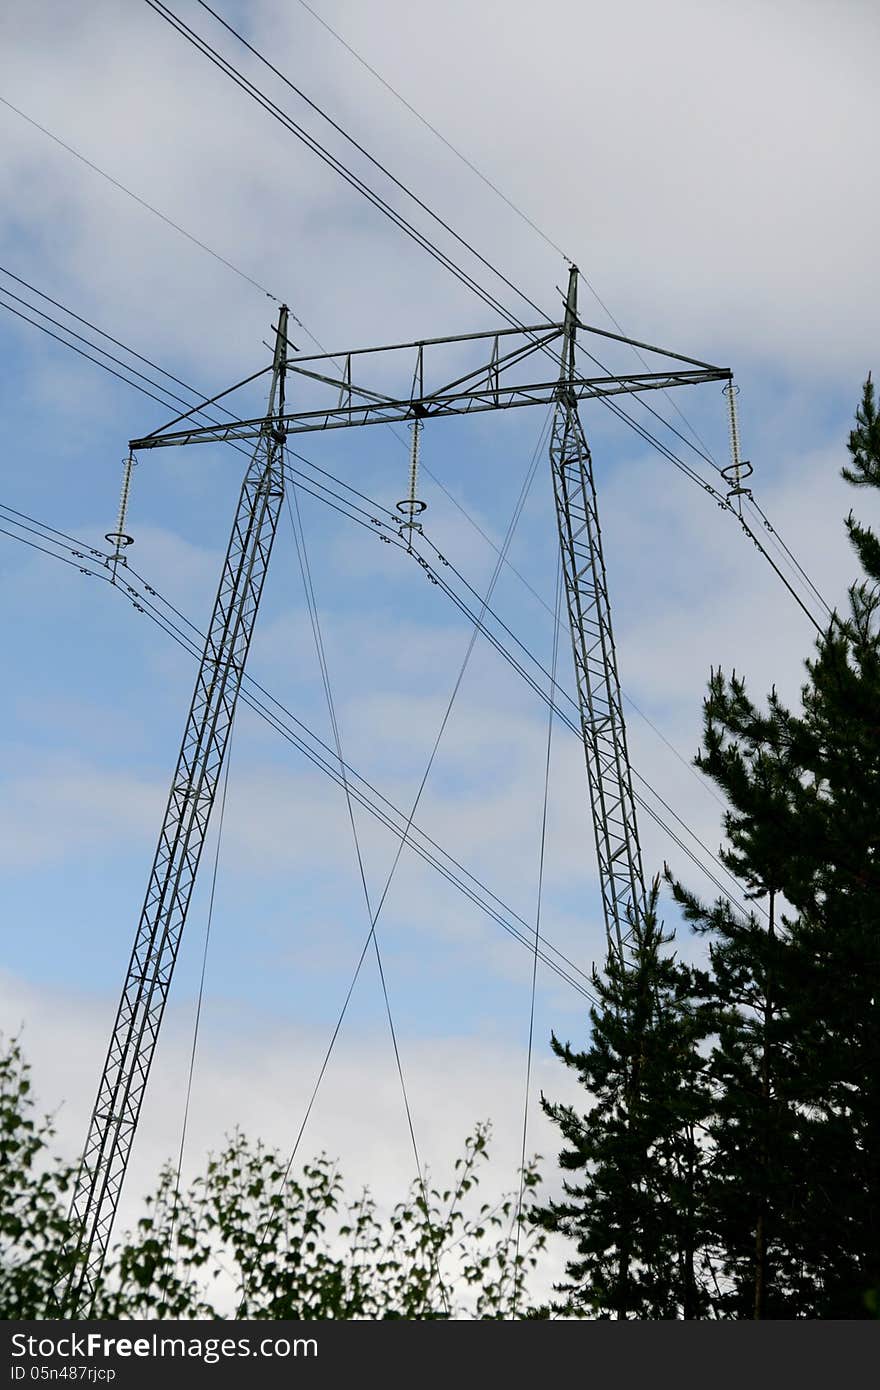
(495, 383)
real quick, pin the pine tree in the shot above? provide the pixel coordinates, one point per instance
(635, 1214)
(753, 1170)
(796, 1130)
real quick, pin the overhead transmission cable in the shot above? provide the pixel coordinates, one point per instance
(484, 178)
(142, 602)
(795, 563)
(458, 876)
(198, 1014)
(377, 164)
(299, 537)
(142, 202)
(163, 217)
(372, 196)
(333, 504)
(534, 977)
(200, 409)
(117, 342)
(12, 310)
(340, 130)
(207, 50)
(677, 462)
(440, 136)
(382, 205)
(530, 473)
(327, 499)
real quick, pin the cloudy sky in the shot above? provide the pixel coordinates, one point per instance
(710, 171)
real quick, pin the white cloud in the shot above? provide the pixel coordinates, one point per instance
(704, 166)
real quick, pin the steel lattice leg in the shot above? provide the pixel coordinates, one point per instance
(193, 787)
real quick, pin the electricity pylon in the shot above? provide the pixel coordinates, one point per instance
(494, 384)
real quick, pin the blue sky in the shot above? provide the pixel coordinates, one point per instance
(707, 172)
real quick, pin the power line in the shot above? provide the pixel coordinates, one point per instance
(440, 136)
(438, 579)
(149, 207)
(287, 121)
(540, 895)
(12, 310)
(377, 164)
(750, 501)
(278, 114)
(142, 202)
(514, 207)
(200, 998)
(73, 334)
(389, 879)
(372, 936)
(205, 48)
(685, 468)
(458, 876)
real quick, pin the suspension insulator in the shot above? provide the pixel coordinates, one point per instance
(120, 539)
(738, 469)
(410, 507)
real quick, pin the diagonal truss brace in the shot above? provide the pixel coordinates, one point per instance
(193, 787)
(496, 382)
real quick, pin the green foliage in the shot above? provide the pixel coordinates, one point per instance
(635, 1215)
(774, 1097)
(864, 442)
(794, 1190)
(33, 1195)
(247, 1237)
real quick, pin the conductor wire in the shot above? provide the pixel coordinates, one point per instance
(305, 569)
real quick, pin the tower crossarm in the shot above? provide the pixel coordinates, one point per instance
(470, 401)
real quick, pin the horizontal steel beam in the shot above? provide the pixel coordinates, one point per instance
(554, 329)
(490, 396)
